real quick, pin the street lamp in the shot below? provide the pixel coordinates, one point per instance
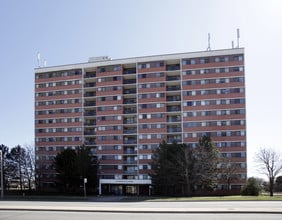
(1, 167)
(84, 186)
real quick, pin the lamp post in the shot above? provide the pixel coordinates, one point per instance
(84, 186)
(1, 167)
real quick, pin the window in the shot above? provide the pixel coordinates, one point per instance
(190, 103)
(160, 105)
(238, 58)
(204, 60)
(151, 65)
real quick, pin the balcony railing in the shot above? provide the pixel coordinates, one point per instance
(173, 88)
(173, 67)
(89, 133)
(129, 111)
(129, 71)
(174, 129)
(129, 91)
(130, 152)
(129, 121)
(90, 113)
(90, 74)
(90, 104)
(129, 81)
(129, 101)
(174, 119)
(90, 94)
(90, 85)
(173, 109)
(171, 140)
(90, 142)
(172, 78)
(89, 123)
(130, 141)
(173, 98)
(130, 131)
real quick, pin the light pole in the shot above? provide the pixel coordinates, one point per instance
(84, 186)
(1, 167)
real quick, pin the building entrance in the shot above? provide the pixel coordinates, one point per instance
(131, 190)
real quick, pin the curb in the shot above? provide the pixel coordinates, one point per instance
(144, 211)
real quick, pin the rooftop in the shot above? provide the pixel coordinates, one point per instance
(101, 61)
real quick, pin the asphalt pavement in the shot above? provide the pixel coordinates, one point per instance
(273, 207)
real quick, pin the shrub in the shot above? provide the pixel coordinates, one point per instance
(251, 188)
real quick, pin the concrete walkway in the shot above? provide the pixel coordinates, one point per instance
(147, 207)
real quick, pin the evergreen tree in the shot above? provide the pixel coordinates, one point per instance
(251, 188)
(205, 166)
(87, 166)
(179, 169)
(73, 166)
(65, 165)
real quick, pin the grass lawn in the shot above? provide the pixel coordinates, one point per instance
(218, 198)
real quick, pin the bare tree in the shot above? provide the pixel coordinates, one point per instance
(29, 166)
(228, 171)
(270, 164)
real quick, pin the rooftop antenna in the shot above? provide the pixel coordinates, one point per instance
(232, 43)
(45, 63)
(238, 37)
(38, 59)
(209, 42)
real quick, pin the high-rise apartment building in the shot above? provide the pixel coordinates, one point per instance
(124, 108)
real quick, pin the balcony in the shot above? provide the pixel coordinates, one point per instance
(89, 133)
(129, 91)
(129, 101)
(174, 129)
(90, 94)
(174, 119)
(87, 85)
(130, 141)
(130, 131)
(173, 98)
(89, 123)
(172, 78)
(129, 71)
(130, 121)
(90, 74)
(173, 67)
(129, 111)
(173, 88)
(90, 142)
(129, 81)
(90, 113)
(171, 140)
(130, 151)
(92, 103)
(173, 109)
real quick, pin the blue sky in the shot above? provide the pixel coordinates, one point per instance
(67, 32)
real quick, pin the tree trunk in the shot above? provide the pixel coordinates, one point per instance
(271, 184)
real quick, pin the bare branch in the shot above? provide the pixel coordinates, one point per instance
(270, 164)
